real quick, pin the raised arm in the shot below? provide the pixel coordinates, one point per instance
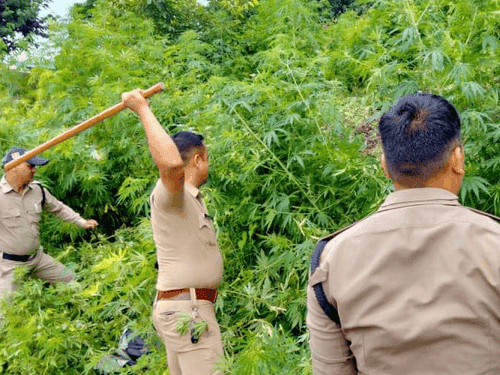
(162, 147)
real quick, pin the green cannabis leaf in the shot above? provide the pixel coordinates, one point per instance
(287, 94)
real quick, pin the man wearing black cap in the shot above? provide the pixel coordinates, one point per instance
(21, 202)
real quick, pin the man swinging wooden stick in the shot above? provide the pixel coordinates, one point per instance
(190, 262)
(21, 202)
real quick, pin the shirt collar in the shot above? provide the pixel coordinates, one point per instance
(417, 196)
(5, 186)
(194, 191)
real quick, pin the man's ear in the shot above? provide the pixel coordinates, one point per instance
(457, 160)
(384, 166)
(198, 159)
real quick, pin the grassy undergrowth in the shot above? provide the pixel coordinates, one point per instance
(287, 101)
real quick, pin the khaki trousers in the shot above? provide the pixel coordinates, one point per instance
(184, 357)
(44, 265)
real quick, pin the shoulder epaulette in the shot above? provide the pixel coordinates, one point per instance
(326, 306)
(496, 218)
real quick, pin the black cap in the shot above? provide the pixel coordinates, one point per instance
(16, 152)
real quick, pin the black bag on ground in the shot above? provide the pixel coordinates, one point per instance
(130, 348)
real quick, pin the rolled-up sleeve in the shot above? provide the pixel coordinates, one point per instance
(330, 350)
(62, 211)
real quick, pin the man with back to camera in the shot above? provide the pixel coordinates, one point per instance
(21, 202)
(415, 287)
(189, 260)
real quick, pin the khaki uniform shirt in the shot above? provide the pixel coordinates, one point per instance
(20, 214)
(417, 288)
(187, 251)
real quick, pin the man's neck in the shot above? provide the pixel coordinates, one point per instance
(443, 182)
(191, 177)
(15, 185)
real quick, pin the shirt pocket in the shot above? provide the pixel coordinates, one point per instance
(207, 233)
(34, 213)
(11, 217)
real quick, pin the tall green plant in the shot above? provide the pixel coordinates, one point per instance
(397, 48)
(280, 97)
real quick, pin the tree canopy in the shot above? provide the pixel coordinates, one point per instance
(20, 21)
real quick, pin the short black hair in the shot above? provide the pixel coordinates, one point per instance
(418, 135)
(187, 143)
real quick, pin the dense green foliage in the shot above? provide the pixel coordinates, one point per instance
(339, 6)
(287, 104)
(18, 20)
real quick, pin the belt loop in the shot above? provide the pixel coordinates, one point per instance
(194, 304)
(156, 299)
(192, 294)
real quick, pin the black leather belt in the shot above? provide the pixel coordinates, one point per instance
(18, 258)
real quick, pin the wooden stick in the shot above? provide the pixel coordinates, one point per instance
(79, 128)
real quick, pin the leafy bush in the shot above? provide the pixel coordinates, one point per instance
(68, 328)
(287, 105)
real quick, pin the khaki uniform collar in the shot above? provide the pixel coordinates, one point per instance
(194, 191)
(5, 186)
(419, 196)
